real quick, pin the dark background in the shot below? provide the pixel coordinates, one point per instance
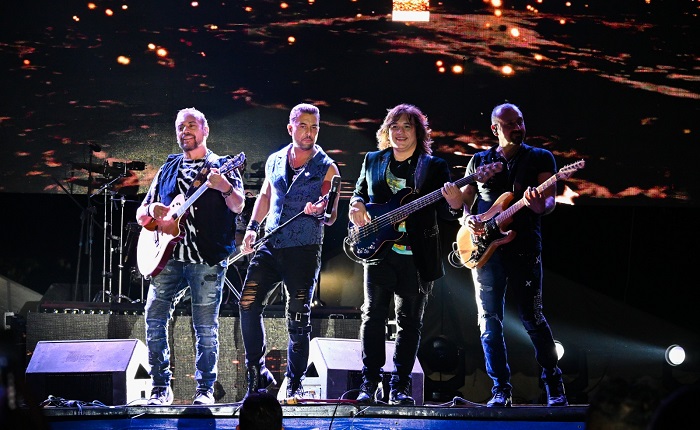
(612, 83)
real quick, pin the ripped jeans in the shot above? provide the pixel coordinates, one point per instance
(206, 283)
(297, 268)
(522, 273)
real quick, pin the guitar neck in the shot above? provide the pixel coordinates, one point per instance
(191, 200)
(506, 214)
(402, 212)
(234, 163)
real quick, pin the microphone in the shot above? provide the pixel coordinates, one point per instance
(332, 195)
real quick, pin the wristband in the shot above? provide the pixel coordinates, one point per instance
(148, 210)
(253, 226)
(228, 193)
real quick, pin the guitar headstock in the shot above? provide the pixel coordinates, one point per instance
(485, 172)
(233, 163)
(568, 170)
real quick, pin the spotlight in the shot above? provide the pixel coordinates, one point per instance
(441, 355)
(560, 349)
(675, 355)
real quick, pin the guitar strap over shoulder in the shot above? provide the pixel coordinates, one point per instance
(202, 175)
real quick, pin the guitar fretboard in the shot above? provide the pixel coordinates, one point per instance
(402, 212)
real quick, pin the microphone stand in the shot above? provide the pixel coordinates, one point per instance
(261, 241)
(83, 212)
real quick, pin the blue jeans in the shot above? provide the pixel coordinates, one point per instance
(394, 277)
(522, 273)
(297, 268)
(206, 283)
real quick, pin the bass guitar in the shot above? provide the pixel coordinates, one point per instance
(158, 238)
(365, 244)
(475, 251)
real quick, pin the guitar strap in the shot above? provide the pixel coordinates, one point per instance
(202, 175)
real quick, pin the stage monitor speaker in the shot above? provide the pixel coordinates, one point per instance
(335, 368)
(112, 371)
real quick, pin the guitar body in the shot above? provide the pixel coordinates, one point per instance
(158, 238)
(371, 247)
(474, 251)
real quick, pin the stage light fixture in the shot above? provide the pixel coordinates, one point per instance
(560, 349)
(441, 355)
(675, 355)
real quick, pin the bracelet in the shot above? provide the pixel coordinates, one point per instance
(455, 211)
(253, 226)
(148, 210)
(228, 193)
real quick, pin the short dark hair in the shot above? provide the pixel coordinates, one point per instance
(260, 411)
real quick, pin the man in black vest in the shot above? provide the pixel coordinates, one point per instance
(198, 259)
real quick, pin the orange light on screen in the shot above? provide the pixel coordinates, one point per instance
(410, 10)
(76, 18)
(507, 70)
(91, 6)
(497, 12)
(439, 63)
(496, 3)
(457, 69)
(125, 7)
(284, 5)
(562, 21)
(151, 46)
(441, 69)
(109, 12)
(248, 9)
(539, 57)
(162, 52)
(291, 39)
(194, 4)
(26, 62)
(514, 32)
(123, 60)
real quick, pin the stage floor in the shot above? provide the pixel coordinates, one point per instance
(318, 415)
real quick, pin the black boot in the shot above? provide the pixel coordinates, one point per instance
(259, 379)
(400, 391)
(555, 393)
(368, 393)
(554, 385)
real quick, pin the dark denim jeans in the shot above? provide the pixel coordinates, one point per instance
(394, 277)
(206, 283)
(522, 273)
(297, 268)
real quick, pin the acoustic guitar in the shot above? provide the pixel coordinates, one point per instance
(158, 238)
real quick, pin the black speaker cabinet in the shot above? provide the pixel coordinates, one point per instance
(231, 379)
(112, 371)
(335, 368)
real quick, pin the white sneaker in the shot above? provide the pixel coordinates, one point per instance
(161, 396)
(203, 397)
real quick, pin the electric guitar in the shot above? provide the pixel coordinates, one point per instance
(475, 251)
(365, 244)
(158, 238)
